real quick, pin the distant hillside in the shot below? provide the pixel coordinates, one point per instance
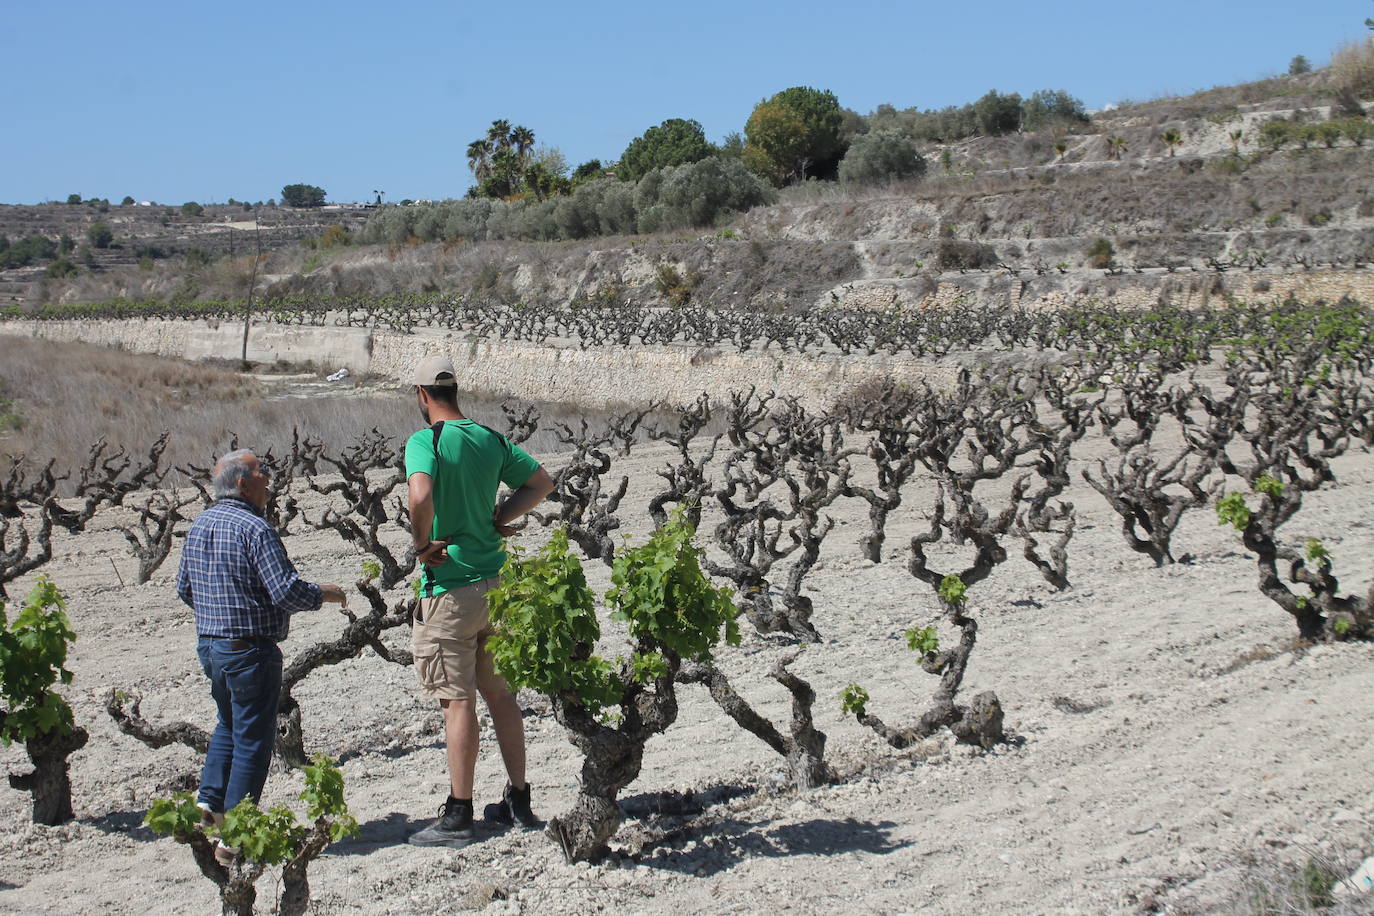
(1229, 207)
(153, 238)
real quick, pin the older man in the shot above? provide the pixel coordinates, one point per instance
(237, 578)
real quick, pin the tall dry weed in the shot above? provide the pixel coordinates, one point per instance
(67, 396)
(1352, 64)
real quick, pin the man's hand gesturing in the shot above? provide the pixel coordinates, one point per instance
(335, 594)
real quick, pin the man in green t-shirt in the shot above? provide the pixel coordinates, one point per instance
(453, 471)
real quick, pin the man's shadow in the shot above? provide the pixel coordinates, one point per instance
(378, 833)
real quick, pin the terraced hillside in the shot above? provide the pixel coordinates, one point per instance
(1263, 192)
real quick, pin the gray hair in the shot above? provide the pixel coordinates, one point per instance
(230, 471)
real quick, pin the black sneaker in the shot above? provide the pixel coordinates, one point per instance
(513, 808)
(453, 828)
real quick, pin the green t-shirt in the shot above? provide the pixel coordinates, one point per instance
(473, 462)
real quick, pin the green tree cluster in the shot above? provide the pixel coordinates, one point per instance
(993, 114)
(505, 165)
(794, 135)
(590, 170)
(1052, 108)
(695, 195)
(26, 251)
(302, 195)
(676, 141)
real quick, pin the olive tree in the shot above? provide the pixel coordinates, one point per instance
(885, 155)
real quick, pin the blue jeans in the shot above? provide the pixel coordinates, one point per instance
(246, 684)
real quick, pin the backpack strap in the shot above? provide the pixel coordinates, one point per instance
(427, 574)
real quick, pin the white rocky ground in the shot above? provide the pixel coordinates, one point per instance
(1178, 775)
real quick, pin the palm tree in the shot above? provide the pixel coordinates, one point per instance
(479, 158)
(499, 134)
(1116, 146)
(1236, 136)
(522, 138)
(1172, 139)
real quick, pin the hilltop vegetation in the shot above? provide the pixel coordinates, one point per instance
(1269, 176)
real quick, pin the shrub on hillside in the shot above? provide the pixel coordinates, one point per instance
(26, 251)
(390, 225)
(100, 235)
(996, 113)
(1052, 107)
(615, 211)
(1353, 66)
(466, 219)
(1100, 253)
(699, 194)
(524, 220)
(604, 206)
(694, 195)
(429, 223)
(333, 236)
(191, 208)
(61, 269)
(957, 254)
(1356, 130)
(885, 155)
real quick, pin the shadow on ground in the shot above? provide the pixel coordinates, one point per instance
(379, 833)
(124, 823)
(391, 753)
(729, 842)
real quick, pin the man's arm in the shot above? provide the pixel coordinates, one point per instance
(184, 580)
(287, 590)
(529, 495)
(420, 500)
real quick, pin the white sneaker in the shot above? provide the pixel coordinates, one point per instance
(209, 818)
(225, 855)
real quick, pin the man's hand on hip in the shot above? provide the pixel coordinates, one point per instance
(335, 594)
(433, 554)
(504, 530)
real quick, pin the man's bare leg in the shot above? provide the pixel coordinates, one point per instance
(461, 737)
(509, 726)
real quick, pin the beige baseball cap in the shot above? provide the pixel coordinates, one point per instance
(435, 370)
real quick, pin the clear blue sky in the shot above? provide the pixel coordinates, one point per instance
(177, 101)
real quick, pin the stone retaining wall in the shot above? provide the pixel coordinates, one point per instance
(606, 376)
(595, 377)
(328, 348)
(1184, 289)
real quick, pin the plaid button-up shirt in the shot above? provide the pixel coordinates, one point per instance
(236, 576)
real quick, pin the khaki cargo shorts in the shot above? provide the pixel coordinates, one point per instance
(449, 642)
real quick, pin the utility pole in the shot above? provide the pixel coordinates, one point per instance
(252, 284)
